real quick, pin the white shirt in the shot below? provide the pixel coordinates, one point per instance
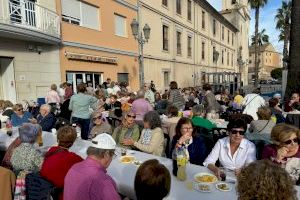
(252, 103)
(245, 154)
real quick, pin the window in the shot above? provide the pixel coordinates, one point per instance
(165, 3)
(232, 59)
(232, 39)
(214, 57)
(227, 58)
(165, 38)
(203, 19)
(222, 56)
(120, 25)
(178, 39)
(214, 27)
(189, 10)
(166, 78)
(123, 77)
(228, 36)
(233, 2)
(178, 7)
(79, 13)
(222, 32)
(203, 51)
(189, 44)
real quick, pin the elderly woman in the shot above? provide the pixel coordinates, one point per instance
(264, 124)
(152, 137)
(152, 181)
(199, 119)
(58, 160)
(175, 98)
(285, 145)
(25, 156)
(186, 137)
(8, 109)
(20, 116)
(80, 105)
(233, 151)
(100, 126)
(128, 129)
(264, 180)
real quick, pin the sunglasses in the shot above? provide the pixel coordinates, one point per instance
(99, 117)
(132, 116)
(21, 109)
(237, 131)
(295, 141)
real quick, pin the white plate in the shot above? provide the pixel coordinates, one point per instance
(202, 174)
(127, 162)
(228, 186)
(203, 187)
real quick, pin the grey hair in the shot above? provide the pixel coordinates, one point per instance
(198, 110)
(28, 132)
(140, 94)
(99, 153)
(46, 106)
(152, 117)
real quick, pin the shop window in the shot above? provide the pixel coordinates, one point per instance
(123, 77)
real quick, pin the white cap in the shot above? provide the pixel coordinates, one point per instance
(104, 141)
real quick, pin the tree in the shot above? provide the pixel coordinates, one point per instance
(263, 38)
(276, 73)
(293, 82)
(256, 5)
(283, 24)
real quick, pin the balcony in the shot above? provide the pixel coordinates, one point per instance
(26, 20)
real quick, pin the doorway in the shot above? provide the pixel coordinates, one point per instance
(76, 78)
(7, 80)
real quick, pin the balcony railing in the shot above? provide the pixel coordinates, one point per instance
(29, 15)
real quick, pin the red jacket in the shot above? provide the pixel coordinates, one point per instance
(56, 166)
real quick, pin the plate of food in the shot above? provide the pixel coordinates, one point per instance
(127, 159)
(203, 187)
(205, 178)
(225, 187)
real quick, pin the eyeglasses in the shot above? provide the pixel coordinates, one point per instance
(132, 116)
(99, 117)
(295, 141)
(241, 132)
(21, 109)
(187, 128)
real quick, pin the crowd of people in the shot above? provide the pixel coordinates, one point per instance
(157, 123)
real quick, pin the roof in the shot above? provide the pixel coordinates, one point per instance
(216, 14)
(264, 47)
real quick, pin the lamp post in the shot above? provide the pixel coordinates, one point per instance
(141, 39)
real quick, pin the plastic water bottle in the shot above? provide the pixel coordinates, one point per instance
(182, 160)
(78, 129)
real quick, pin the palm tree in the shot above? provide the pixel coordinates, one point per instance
(262, 38)
(283, 18)
(293, 83)
(256, 5)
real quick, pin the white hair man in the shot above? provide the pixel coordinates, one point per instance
(45, 119)
(88, 179)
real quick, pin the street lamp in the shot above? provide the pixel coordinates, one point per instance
(142, 39)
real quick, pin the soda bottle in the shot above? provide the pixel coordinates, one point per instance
(182, 160)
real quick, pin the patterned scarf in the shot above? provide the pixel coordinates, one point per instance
(147, 136)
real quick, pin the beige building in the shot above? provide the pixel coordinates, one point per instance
(192, 43)
(29, 50)
(269, 59)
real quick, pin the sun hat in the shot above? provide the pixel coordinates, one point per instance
(104, 141)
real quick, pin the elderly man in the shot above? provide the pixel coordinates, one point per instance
(45, 119)
(199, 118)
(149, 95)
(88, 179)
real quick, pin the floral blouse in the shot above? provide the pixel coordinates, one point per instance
(26, 157)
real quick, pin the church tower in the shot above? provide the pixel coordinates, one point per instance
(238, 13)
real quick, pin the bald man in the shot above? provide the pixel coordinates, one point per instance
(45, 119)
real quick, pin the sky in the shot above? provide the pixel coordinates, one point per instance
(267, 20)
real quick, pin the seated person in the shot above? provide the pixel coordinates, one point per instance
(100, 126)
(198, 119)
(114, 105)
(264, 124)
(6, 159)
(20, 116)
(128, 129)
(8, 109)
(190, 103)
(152, 181)
(264, 180)
(152, 137)
(45, 119)
(276, 110)
(58, 160)
(233, 151)
(169, 123)
(285, 148)
(161, 104)
(186, 137)
(25, 156)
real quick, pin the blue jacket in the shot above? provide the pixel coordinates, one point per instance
(197, 150)
(17, 121)
(47, 122)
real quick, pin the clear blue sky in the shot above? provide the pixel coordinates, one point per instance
(267, 20)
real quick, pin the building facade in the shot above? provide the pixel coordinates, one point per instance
(191, 43)
(269, 59)
(97, 42)
(29, 48)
